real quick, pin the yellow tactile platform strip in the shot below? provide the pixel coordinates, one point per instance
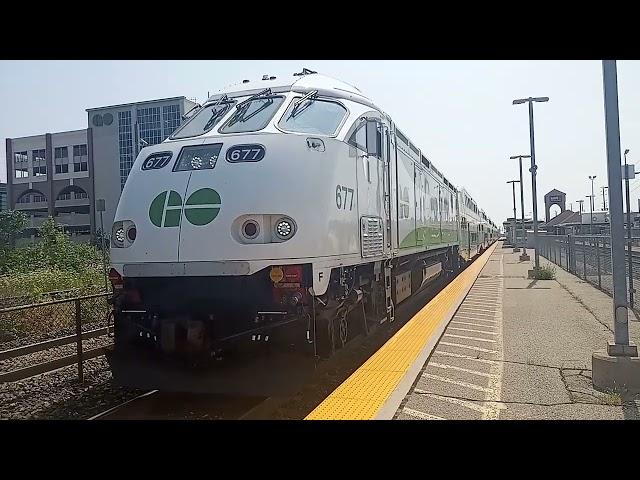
(361, 396)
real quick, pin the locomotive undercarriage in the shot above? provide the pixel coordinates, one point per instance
(200, 319)
(230, 335)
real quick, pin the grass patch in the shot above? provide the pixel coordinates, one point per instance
(547, 272)
(612, 398)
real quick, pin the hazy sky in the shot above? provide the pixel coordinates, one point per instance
(458, 112)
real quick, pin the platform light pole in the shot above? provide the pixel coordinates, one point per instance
(620, 365)
(514, 236)
(629, 174)
(604, 199)
(524, 255)
(533, 170)
(621, 346)
(592, 201)
(580, 202)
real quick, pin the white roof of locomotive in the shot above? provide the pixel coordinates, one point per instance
(299, 83)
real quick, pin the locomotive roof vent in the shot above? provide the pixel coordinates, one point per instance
(245, 81)
(265, 77)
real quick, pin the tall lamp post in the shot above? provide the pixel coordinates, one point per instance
(629, 174)
(604, 199)
(524, 256)
(591, 202)
(514, 236)
(533, 169)
(620, 365)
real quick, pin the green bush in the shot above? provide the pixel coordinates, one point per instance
(40, 281)
(54, 263)
(30, 273)
(547, 272)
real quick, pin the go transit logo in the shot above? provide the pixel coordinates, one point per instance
(201, 208)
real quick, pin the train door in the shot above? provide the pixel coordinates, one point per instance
(370, 169)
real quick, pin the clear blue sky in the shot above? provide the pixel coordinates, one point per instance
(458, 112)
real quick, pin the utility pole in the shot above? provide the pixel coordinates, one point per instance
(513, 188)
(590, 214)
(604, 199)
(533, 170)
(592, 202)
(100, 206)
(524, 257)
(629, 174)
(619, 367)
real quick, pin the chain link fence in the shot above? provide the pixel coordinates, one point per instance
(51, 317)
(589, 258)
(56, 318)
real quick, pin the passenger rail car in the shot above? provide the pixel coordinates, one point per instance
(288, 210)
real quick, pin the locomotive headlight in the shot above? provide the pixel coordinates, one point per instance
(120, 236)
(123, 234)
(285, 228)
(250, 229)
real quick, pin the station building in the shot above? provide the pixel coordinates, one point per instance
(63, 174)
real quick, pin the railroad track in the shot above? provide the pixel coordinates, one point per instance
(156, 405)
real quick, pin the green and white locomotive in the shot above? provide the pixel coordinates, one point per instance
(289, 211)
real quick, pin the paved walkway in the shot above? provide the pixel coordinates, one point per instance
(520, 349)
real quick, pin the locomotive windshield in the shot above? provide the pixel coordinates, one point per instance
(316, 116)
(252, 115)
(204, 120)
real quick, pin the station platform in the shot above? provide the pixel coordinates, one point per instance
(492, 345)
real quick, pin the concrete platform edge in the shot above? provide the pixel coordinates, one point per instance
(390, 407)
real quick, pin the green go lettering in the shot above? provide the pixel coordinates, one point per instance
(201, 208)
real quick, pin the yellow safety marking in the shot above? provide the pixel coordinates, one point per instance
(361, 396)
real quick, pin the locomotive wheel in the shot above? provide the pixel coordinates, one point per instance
(326, 334)
(342, 329)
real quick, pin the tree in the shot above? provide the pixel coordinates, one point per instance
(12, 222)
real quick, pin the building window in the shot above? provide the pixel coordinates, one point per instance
(21, 164)
(80, 158)
(80, 195)
(31, 197)
(61, 159)
(149, 125)
(170, 119)
(125, 143)
(64, 196)
(39, 163)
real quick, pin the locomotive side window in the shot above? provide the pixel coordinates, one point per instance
(368, 138)
(359, 138)
(319, 117)
(374, 139)
(203, 121)
(252, 115)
